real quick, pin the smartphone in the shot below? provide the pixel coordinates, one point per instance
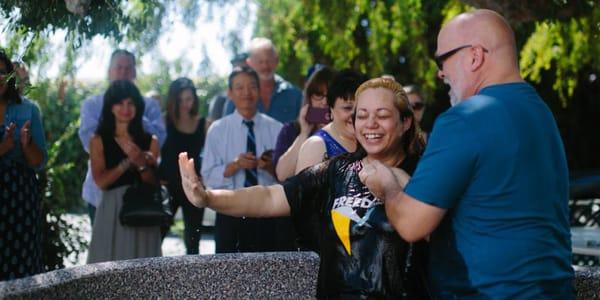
(317, 115)
(268, 154)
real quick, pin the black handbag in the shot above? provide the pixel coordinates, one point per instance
(146, 204)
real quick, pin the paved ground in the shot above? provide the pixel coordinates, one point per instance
(172, 244)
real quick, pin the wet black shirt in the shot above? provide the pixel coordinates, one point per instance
(361, 254)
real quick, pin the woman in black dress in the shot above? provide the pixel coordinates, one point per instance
(185, 133)
(361, 254)
(22, 151)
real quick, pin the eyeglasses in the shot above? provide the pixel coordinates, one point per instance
(440, 59)
(318, 96)
(417, 105)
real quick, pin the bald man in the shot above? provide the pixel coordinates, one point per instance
(491, 190)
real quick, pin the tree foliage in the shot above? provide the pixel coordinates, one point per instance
(398, 37)
(374, 37)
(136, 20)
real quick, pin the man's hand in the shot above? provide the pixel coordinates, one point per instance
(382, 181)
(246, 161)
(266, 162)
(192, 186)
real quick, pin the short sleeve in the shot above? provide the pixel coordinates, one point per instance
(37, 132)
(305, 190)
(447, 166)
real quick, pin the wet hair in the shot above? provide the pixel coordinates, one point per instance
(11, 94)
(242, 70)
(177, 87)
(344, 85)
(319, 78)
(118, 91)
(413, 142)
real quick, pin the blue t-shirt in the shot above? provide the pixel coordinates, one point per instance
(497, 164)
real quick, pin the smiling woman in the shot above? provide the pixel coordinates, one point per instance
(361, 254)
(120, 154)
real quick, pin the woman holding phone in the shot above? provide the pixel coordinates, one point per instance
(337, 137)
(361, 256)
(313, 115)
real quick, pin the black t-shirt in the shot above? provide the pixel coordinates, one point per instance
(178, 142)
(361, 254)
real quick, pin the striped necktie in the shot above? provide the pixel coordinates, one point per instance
(251, 177)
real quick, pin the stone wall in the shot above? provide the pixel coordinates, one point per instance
(225, 276)
(281, 275)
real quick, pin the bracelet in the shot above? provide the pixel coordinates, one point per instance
(124, 164)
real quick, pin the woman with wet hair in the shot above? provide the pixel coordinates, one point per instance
(361, 254)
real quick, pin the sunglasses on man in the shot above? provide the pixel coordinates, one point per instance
(440, 59)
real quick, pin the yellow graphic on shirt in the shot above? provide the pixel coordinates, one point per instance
(341, 223)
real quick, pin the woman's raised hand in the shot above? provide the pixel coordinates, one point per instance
(305, 127)
(192, 186)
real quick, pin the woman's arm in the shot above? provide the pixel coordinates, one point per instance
(33, 154)
(151, 156)
(256, 201)
(102, 176)
(286, 166)
(311, 153)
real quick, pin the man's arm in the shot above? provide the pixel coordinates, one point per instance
(153, 120)
(411, 218)
(213, 164)
(88, 120)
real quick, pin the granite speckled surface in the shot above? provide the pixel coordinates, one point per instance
(283, 275)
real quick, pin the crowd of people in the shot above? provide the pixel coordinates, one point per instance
(475, 209)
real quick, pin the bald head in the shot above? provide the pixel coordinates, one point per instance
(481, 27)
(474, 50)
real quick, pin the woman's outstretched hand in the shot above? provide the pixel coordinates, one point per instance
(192, 186)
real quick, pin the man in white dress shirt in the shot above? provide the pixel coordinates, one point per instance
(237, 153)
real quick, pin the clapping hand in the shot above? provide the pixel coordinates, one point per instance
(133, 152)
(192, 186)
(8, 141)
(25, 136)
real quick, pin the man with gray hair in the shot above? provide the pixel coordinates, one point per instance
(121, 67)
(279, 99)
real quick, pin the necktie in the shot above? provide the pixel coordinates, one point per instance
(251, 177)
